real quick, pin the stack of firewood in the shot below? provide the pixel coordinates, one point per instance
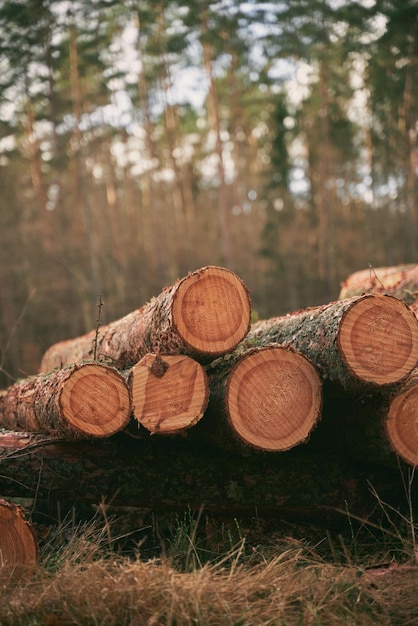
(340, 377)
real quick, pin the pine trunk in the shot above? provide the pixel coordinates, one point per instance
(164, 473)
(402, 419)
(169, 393)
(361, 341)
(207, 313)
(84, 400)
(19, 550)
(267, 398)
(400, 281)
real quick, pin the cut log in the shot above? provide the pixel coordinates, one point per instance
(207, 313)
(267, 398)
(401, 423)
(82, 400)
(18, 542)
(169, 393)
(365, 340)
(400, 281)
(164, 473)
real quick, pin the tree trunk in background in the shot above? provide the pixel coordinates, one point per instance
(206, 313)
(362, 341)
(85, 400)
(215, 125)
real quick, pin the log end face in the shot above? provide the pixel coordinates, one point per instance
(212, 310)
(274, 398)
(95, 401)
(378, 339)
(169, 392)
(19, 551)
(401, 424)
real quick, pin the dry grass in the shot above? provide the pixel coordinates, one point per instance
(84, 580)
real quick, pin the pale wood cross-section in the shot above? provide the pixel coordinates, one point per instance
(81, 400)
(206, 313)
(401, 423)
(364, 340)
(270, 398)
(169, 393)
(19, 551)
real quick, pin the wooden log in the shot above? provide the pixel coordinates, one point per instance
(169, 393)
(19, 549)
(267, 398)
(364, 340)
(165, 473)
(401, 423)
(207, 313)
(400, 281)
(81, 400)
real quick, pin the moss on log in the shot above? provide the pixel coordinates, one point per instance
(81, 400)
(206, 313)
(360, 341)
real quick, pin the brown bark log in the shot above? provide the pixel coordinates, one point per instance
(400, 281)
(169, 393)
(82, 400)
(365, 340)
(205, 313)
(268, 398)
(18, 542)
(163, 473)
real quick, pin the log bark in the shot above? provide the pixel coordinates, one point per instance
(164, 473)
(19, 549)
(267, 398)
(207, 313)
(82, 400)
(400, 281)
(366, 340)
(169, 393)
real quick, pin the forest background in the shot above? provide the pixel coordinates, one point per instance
(141, 140)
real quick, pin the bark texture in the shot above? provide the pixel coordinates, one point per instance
(18, 542)
(169, 393)
(268, 398)
(360, 341)
(207, 313)
(163, 473)
(82, 400)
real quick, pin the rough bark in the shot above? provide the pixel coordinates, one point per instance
(169, 393)
(163, 473)
(361, 341)
(82, 400)
(18, 542)
(400, 281)
(267, 398)
(206, 313)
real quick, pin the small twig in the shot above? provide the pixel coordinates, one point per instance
(96, 336)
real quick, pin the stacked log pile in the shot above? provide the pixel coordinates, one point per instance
(183, 402)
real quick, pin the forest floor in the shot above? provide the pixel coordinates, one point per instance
(139, 568)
